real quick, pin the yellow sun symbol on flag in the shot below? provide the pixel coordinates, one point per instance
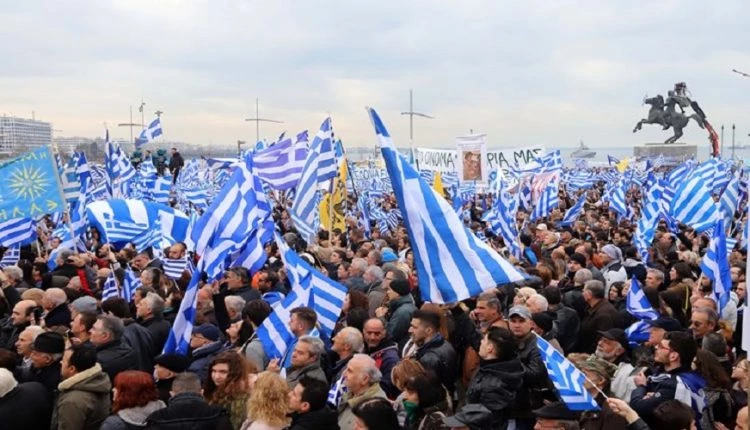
(28, 183)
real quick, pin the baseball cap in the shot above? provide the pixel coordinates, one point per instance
(521, 311)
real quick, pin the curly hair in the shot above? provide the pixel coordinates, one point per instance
(236, 383)
(134, 388)
(269, 400)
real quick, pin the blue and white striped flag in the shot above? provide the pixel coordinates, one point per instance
(323, 144)
(11, 256)
(19, 231)
(336, 393)
(149, 133)
(637, 303)
(280, 166)
(617, 198)
(178, 341)
(452, 264)
(715, 265)
(130, 283)
(547, 201)
(121, 221)
(119, 168)
(575, 211)
(109, 290)
(730, 200)
(174, 268)
(253, 255)
(502, 221)
(638, 332)
(161, 190)
(693, 205)
(568, 380)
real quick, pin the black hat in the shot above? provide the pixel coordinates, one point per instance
(616, 334)
(555, 411)
(473, 415)
(666, 323)
(400, 286)
(174, 362)
(578, 258)
(543, 320)
(49, 343)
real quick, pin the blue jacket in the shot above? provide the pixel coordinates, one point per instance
(202, 358)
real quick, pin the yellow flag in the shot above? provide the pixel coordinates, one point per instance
(622, 165)
(339, 202)
(437, 183)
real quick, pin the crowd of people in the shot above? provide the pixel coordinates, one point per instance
(70, 360)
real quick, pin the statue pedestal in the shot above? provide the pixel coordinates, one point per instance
(673, 153)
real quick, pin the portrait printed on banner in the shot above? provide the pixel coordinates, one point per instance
(472, 165)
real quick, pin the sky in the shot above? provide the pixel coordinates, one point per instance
(525, 73)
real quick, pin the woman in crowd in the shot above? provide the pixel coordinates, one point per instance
(134, 398)
(741, 376)
(228, 385)
(268, 405)
(718, 400)
(375, 414)
(354, 299)
(425, 402)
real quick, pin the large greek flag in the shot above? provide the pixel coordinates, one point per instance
(637, 303)
(567, 378)
(149, 133)
(575, 211)
(121, 221)
(16, 232)
(693, 204)
(452, 264)
(715, 265)
(280, 166)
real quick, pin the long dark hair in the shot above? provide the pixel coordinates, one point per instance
(377, 414)
(710, 368)
(237, 379)
(428, 389)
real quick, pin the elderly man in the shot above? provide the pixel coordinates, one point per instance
(306, 360)
(654, 278)
(23, 315)
(149, 312)
(612, 348)
(46, 353)
(573, 296)
(24, 347)
(57, 313)
(600, 316)
(384, 351)
(362, 383)
(703, 321)
(346, 343)
(355, 279)
(12, 276)
(111, 352)
(376, 296)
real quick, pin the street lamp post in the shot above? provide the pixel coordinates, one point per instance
(411, 114)
(258, 120)
(732, 142)
(239, 147)
(130, 124)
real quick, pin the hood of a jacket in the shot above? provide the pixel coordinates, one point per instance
(510, 371)
(137, 416)
(92, 380)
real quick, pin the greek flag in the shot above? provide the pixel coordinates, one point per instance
(502, 221)
(572, 214)
(149, 133)
(319, 167)
(179, 337)
(715, 265)
(130, 283)
(547, 201)
(253, 255)
(149, 238)
(197, 197)
(452, 264)
(226, 226)
(336, 393)
(690, 391)
(280, 166)
(730, 200)
(110, 287)
(567, 379)
(693, 205)
(11, 256)
(119, 169)
(161, 190)
(174, 268)
(637, 304)
(121, 221)
(16, 232)
(638, 332)
(617, 199)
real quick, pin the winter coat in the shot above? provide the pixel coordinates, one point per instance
(176, 161)
(313, 370)
(567, 324)
(132, 418)
(189, 411)
(613, 272)
(59, 316)
(139, 339)
(48, 376)
(82, 401)
(202, 358)
(635, 268)
(400, 312)
(346, 416)
(431, 418)
(116, 357)
(438, 355)
(254, 352)
(9, 334)
(322, 419)
(662, 387)
(28, 406)
(602, 316)
(573, 298)
(386, 357)
(496, 386)
(159, 329)
(535, 377)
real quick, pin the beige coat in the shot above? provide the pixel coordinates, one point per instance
(346, 417)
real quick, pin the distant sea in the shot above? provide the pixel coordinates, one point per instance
(624, 152)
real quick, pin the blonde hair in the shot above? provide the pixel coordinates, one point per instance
(405, 369)
(268, 401)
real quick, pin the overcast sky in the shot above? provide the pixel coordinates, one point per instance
(525, 73)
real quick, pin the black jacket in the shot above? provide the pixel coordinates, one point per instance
(26, 407)
(140, 340)
(322, 419)
(59, 316)
(9, 334)
(176, 161)
(496, 386)
(48, 376)
(189, 411)
(115, 357)
(438, 355)
(159, 328)
(566, 325)
(535, 377)
(603, 316)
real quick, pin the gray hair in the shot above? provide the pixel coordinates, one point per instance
(371, 369)
(376, 255)
(62, 256)
(56, 295)
(359, 264)
(375, 272)
(35, 331)
(715, 343)
(595, 287)
(113, 325)
(235, 303)
(492, 300)
(711, 314)
(398, 274)
(14, 272)
(317, 348)
(582, 276)
(155, 303)
(540, 300)
(186, 382)
(353, 338)
(657, 273)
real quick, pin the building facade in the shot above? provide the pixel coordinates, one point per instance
(18, 135)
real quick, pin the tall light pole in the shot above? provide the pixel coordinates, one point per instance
(258, 120)
(140, 109)
(721, 151)
(732, 142)
(411, 114)
(130, 124)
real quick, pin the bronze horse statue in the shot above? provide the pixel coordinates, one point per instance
(668, 117)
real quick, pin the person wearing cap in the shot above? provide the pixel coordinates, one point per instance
(399, 312)
(542, 324)
(675, 354)
(46, 354)
(613, 270)
(166, 367)
(598, 376)
(535, 376)
(434, 352)
(555, 415)
(659, 327)
(205, 344)
(612, 347)
(600, 316)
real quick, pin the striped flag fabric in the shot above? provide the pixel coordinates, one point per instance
(568, 380)
(121, 221)
(575, 211)
(18, 231)
(693, 205)
(730, 200)
(326, 162)
(548, 200)
(253, 255)
(280, 166)
(617, 199)
(11, 256)
(502, 221)
(149, 133)
(715, 265)
(130, 283)
(119, 168)
(638, 332)
(452, 263)
(161, 190)
(637, 303)
(174, 268)
(109, 289)
(178, 341)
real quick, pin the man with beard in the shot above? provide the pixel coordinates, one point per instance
(612, 348)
